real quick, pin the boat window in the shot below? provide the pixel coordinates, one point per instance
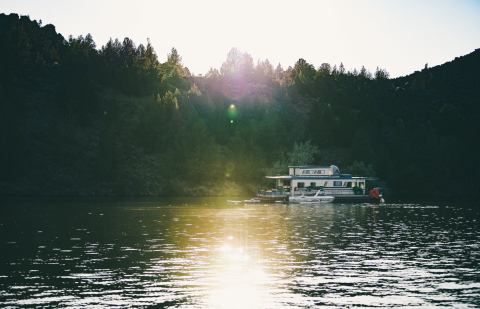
(349, 184)
(301, 185)
(313, 184)
(325, 184)
(337, 183)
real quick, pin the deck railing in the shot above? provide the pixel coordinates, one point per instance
(327, 191)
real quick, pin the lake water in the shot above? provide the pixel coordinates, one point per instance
(209, 254)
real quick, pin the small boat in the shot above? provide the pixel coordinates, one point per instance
(272, 196)
(319, 197)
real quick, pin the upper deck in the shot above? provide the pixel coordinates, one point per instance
(314, 172)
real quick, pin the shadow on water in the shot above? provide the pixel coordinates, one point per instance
(190, 253)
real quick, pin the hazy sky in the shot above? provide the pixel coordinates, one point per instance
(400, 36)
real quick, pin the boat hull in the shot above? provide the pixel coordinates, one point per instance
(336, 199)
(356, 199)
(311, 200)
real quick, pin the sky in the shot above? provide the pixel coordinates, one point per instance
(400, 36)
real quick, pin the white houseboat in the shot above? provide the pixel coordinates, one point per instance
(304, 180)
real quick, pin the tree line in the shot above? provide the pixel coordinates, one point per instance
(114, 120)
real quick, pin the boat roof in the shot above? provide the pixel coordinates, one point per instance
(341, 176)
(310, 166)
(279, 177)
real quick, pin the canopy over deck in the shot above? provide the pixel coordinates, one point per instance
(279, 177)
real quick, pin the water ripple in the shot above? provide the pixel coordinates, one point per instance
(212, 255)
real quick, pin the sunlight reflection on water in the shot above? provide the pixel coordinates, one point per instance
(214, 255)
(239, 281)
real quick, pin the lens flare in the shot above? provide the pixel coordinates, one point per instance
(232, 113)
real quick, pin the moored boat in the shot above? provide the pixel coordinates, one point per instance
(307, 179)
(319, 197)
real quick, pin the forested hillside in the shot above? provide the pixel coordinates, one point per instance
(80, 119)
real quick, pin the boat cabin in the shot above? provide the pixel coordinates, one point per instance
(311, 178)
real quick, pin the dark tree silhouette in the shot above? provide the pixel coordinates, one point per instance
(77, 120)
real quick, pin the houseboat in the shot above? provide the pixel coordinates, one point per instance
(309, 179)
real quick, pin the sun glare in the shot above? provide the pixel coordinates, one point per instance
(240, 282)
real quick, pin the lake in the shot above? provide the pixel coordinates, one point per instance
(205, 253)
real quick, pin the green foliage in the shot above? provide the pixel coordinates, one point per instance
(77, 120)
(360, 168)
(303, 154)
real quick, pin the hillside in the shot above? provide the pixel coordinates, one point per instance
(78, 119)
